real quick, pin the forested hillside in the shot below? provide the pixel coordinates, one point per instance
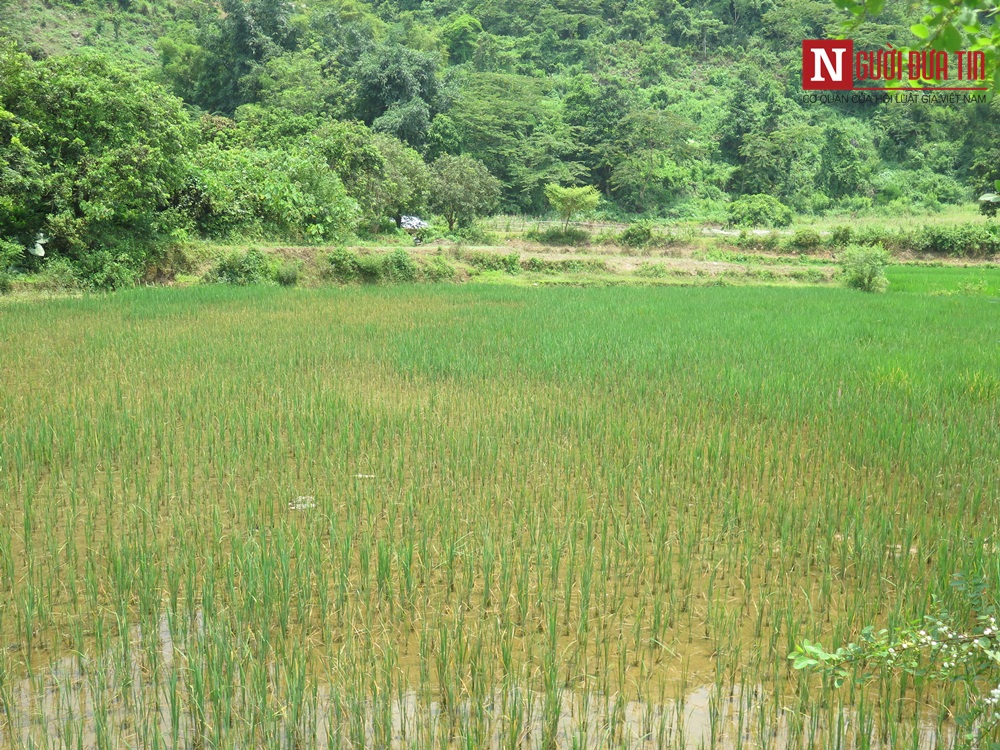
(124, 124)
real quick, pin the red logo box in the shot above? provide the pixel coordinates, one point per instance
(827, 64)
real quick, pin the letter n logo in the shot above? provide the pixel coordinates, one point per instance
(827, 65)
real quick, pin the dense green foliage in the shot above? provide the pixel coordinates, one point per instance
(864, 267)
(462, 189)
(758, 211)
(127, 124)
(568, 202)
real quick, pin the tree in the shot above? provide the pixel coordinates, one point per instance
(963, 24)
(460, 37)
(647, 171)
(570, 201)
(462, 189)
(397, 88)
(515, 127)
(844, 166)
(93, 154)
(401, 186)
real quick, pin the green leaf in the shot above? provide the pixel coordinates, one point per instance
(990, 198)
(804, 662)
(951, 38)
(920, 31)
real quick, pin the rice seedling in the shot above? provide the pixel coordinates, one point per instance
(431, 517)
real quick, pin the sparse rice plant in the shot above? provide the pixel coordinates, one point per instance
(483, 515)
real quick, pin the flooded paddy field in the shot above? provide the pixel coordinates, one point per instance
(484, 516)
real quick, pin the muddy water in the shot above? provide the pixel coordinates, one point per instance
(76, 703)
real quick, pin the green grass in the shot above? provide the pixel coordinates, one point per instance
(291, 512)
(981, 280)
(878, 217)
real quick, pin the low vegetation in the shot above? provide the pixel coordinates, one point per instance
(484, 516)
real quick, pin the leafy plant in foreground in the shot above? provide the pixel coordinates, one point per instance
(938, 648)
(864, 267)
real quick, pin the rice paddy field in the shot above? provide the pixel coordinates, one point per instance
(484, 516)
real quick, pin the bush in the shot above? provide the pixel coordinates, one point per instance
(245, 192)
(242, 269)
(761, 243)
(864, 267)
(10, 253)
(395, 267)
(841, 236)
(438, 268)
(58, 275)
(399, 267)
(652, 270)
(475, 234)
(509, 263)
(878, 235)
(96, 172)
(638, 234)
(961, 240)
(288, 273)
(110, 272)
(966, 240)
(559, 236)
(759, 210)
(344, 265)
(370, 268)
(571, 265)
(806, 239)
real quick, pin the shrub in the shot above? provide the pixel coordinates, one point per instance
(559, 236)
(58, 275)
(395, 267)
(288, 273)
(246, 192)
(638, 234)
(767, 243)
(242, 268)
(806, 239)
(438, 268)
(968, 240)
(878, 235)
(841, 236)
(475, 234)
(344, 265)
(370, 268)
(399, 267)
(110, 272)
(10, 253)
(509, 263)
(760, 210)
(652, 270)
(864, 267)
(571, 265)
(96, 172)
